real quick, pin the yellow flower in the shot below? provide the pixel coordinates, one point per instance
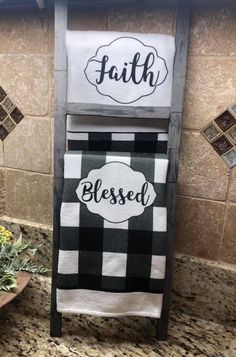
(5, 235)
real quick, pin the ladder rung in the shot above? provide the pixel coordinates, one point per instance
(118, 111)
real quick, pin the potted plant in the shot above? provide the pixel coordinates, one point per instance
(17, 263)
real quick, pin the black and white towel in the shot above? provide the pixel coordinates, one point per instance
(130, 142)
(116, 135)
(112, 252)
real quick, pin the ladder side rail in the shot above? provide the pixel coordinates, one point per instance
(174, 133)
(59, 147)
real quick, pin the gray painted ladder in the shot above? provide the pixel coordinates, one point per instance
(173, 114)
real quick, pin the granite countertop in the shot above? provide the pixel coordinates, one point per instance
(24, 331)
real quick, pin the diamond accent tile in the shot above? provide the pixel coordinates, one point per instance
(230, 157)
(232, 133)
(3, 113)
(7, 104)
(225, 120)
(16, 115)
(211, 132)
(8, 124)
(3, 132)
(221, 134)
(2, 94)
(10, 115)
(221, 145)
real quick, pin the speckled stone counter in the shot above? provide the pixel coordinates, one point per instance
(24, 331)
(201, 288)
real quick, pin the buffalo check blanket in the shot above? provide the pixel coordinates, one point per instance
(113, 234)
(117, 141)
(137, 135)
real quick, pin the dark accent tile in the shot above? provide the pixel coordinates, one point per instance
(211, 132)
(7, 104)
(3, 132)
(232, 133)
(2, 94)
(9, 124)
(3, 113)
(230, 157)
(16, 115)
(225, 120)
(221, 145)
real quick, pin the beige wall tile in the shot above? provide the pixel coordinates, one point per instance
(85, 19)
(157, 19)
(1, 154)
(213, 29)
(24, 78)
(23, 32)
(51, 98)
(28, 146)
(232, 187)
(199, 227)
(29, 196)
(210, 88)
(51, 36)
(228, 250)
(202, 173)
(2, 191)
(52, 146)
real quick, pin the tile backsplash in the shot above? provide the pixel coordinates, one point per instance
(221, 134)
(10, 115)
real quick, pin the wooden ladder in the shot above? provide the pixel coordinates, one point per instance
(173, 114)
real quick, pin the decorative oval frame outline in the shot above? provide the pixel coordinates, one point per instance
(119, 162)
(142, 96)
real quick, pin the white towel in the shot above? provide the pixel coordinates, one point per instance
(120, 68)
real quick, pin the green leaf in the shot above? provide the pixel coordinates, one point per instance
(17, 256)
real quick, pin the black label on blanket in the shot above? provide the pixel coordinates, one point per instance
(126, 65)
(116, 192)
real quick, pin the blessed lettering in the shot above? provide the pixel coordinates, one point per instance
(96, 192)
(135, 70)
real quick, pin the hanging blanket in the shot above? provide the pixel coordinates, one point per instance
(113, 234)
(132, 142)
(120, 136)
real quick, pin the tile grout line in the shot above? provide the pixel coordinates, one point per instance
(213, 56)
(201, 198)
(26, 222)
(227, 202)
(48, 174)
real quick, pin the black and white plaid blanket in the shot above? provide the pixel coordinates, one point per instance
(121, 135)
(117, 141)
(113, 234)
